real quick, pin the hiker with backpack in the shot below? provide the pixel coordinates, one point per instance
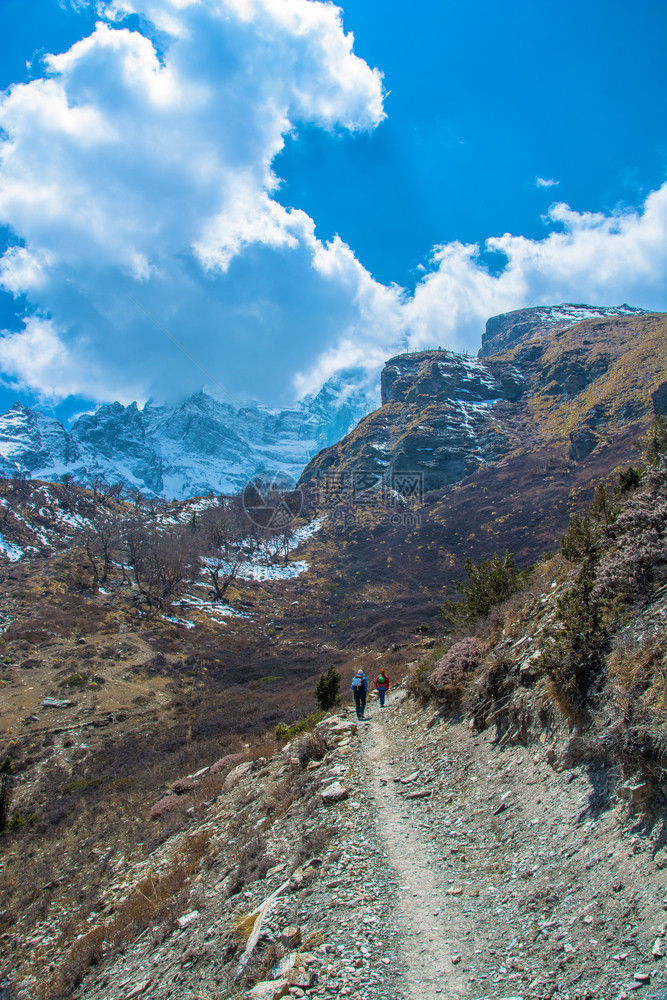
(360, 690)
(382, 685)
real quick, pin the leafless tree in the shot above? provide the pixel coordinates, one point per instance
(222, 528)
(114, 491)
(224, 534)
(160, 560)
(101, 539)
(97, 484)
(222, 573)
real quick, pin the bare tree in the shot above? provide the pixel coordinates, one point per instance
(285, 537)
(100, 541)
(222, 573)
(137, 497)
(97, 484)
(115, 491)
(224, 536)
(160, 560)
(222, 527)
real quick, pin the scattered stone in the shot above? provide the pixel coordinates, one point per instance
(235, 775)
(57, 703)
(188, 918)
(503, 805)
(291, 937)
(269, 990)
(304, 875)
(137, 990)
(634, 792)
(314, 940)
(658, 949)
(334, 793)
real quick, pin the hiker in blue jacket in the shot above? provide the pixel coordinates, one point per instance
(360, 690)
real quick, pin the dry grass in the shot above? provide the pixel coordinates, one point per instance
(155, 899)
(313, 746)
(640, 672)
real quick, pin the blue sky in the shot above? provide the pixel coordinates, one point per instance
(286, 206)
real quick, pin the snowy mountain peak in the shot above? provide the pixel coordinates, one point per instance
(191, 448)
(505, 330)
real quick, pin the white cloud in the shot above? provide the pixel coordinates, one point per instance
(546, 182)
(130, 175)
(593, 258)
(38, 360)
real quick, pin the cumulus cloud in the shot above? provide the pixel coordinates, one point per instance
(588, 258)
(140, 171)
(132, 172)
(546, 182)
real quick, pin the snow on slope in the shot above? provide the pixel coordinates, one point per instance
(198, 446)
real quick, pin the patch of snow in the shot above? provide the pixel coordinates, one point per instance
(210, 607)
(179, 621)
(307, 531)
(571, 314)
(258, 573)
(11, 551)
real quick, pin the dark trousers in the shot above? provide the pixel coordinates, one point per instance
(359, 701)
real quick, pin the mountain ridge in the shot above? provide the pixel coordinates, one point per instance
(191, 448)
(542, 377)
(202, 444)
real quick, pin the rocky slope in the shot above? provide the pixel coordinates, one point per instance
(409, 858)
(186, 450)
(504, 844)
(569, 376)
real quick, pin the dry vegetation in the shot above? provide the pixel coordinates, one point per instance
(161, 688)
(582, 647)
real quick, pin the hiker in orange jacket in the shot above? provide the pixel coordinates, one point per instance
(382, 685)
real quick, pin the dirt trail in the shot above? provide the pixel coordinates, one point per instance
(518, 880)
(431, 921)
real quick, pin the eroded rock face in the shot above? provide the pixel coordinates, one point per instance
(551, 378)
(508, 329)
(445, 374)
(436, 420)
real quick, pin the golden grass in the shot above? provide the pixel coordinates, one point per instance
(156, 898)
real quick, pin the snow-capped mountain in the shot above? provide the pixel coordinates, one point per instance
(188, 449)
(203, 444)
(446, 415)
(506, 329)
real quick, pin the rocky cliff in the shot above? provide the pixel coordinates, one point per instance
(566, 377)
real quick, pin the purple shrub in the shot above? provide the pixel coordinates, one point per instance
(182, 786)
(640, 536)
(228, 762)
(165, 805)
(451, 675)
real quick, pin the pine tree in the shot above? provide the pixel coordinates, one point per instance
(327, 689)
